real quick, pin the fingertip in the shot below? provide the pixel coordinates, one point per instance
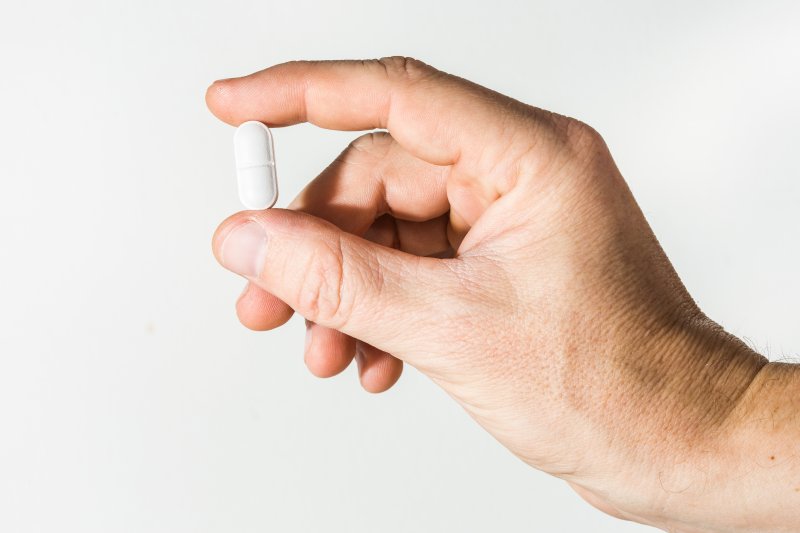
(378, 371)
(224, 229)
(219, 98)
(220, 233)
(327, 352)
(213, 93)
(259, 310)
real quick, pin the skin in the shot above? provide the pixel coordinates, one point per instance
(495, 247)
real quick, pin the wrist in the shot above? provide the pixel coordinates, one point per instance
(696, 491)
(757, 486)
(688, 390)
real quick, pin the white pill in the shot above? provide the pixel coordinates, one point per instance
(255, 165)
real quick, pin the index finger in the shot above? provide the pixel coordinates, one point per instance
(437, 117)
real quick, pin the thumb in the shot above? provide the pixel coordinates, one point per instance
(385, 297)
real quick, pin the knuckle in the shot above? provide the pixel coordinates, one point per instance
(571, 145)
(321, 299)
(405, 68)
(370, 151)
(581, 137)
(373, 143)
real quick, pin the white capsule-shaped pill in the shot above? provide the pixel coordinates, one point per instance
(255, 165)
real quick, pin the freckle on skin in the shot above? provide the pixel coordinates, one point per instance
(771, 457)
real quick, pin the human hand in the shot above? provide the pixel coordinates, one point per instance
(495, 247)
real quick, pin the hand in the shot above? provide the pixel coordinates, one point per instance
(495, 247)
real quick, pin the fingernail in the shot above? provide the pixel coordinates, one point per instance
(359, 358)
(308, 338)
(244, 249)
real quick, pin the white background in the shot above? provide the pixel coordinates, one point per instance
(131, 400)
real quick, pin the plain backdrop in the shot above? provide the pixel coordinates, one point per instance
(131, 399)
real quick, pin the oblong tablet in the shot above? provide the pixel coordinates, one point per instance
(255, 165)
